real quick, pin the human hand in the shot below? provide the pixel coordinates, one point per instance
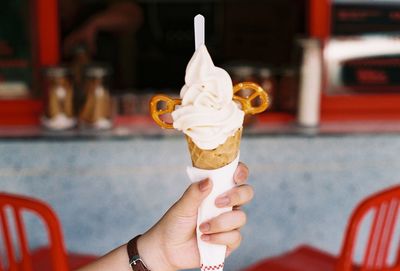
(171, 244)
(85, 35)
(118, 18)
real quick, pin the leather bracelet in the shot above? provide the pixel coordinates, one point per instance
(135, 261)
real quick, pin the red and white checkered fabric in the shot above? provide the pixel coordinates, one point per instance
(212, 267)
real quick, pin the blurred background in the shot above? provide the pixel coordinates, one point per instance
(306, 54)
(76, 78)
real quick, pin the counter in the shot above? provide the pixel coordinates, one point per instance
(107, 191)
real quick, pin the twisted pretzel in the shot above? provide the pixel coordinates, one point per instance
(246, 102)
(156, 113)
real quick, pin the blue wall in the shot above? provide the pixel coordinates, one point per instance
(105, 192)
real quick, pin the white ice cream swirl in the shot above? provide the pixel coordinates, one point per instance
(208, 115)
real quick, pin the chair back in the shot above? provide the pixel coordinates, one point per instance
(385, 208)
(17, 205)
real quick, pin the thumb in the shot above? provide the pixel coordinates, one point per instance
(190, 201)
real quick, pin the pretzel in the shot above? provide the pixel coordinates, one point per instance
(156, 113)
(246, 103)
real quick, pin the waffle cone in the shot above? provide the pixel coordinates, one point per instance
(218, 157)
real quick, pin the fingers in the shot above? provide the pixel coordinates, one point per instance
(190, 201)
(231, 239)
(240, 194)
(224, 223)
(241, 174)
(237, 196)
(224, 230)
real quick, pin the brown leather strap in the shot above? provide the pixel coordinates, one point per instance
(135, 261)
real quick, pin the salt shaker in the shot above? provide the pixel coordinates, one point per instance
(96, 112)
(58, 102)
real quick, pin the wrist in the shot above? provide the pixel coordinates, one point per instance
(150, 250)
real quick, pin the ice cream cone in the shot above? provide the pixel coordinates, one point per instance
(218, 157)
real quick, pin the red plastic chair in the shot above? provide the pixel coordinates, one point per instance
(385, 217)
(53, 257)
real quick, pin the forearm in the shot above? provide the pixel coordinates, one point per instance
(115, 260)
(118, 259)
(119, 17)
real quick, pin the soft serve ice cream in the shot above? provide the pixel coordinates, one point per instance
(207, 115)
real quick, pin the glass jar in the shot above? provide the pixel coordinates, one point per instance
(58, 100)
(96, 111)
(240, 74)
(268, 83)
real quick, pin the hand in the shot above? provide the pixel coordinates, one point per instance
(119, 17)
(171, 244)
(85, 35)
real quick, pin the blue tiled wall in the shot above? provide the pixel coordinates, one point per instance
(107, 191)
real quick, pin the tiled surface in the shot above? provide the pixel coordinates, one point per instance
(108, 191)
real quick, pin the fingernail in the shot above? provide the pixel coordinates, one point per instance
(222, 201)
(240, 176)
(205, 237)
(205, 227)
(203, 185)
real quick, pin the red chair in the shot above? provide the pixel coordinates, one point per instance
(385, 207)
(53, 257)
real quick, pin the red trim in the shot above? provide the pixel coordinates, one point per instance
(320, 22)
(388, 102)
(358, 116)
(45, 51)
(212, 267)
(360, 107)
(19, 107)
(276, 117)
(48, 32)
(133, 120)
(20, 112)
(27, 120)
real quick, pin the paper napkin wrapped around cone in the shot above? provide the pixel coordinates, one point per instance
(212, 256)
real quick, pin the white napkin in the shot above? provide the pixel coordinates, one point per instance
(212, 256)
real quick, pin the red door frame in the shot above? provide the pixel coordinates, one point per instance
(348, 107)
(45, 52)
(47, 32)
